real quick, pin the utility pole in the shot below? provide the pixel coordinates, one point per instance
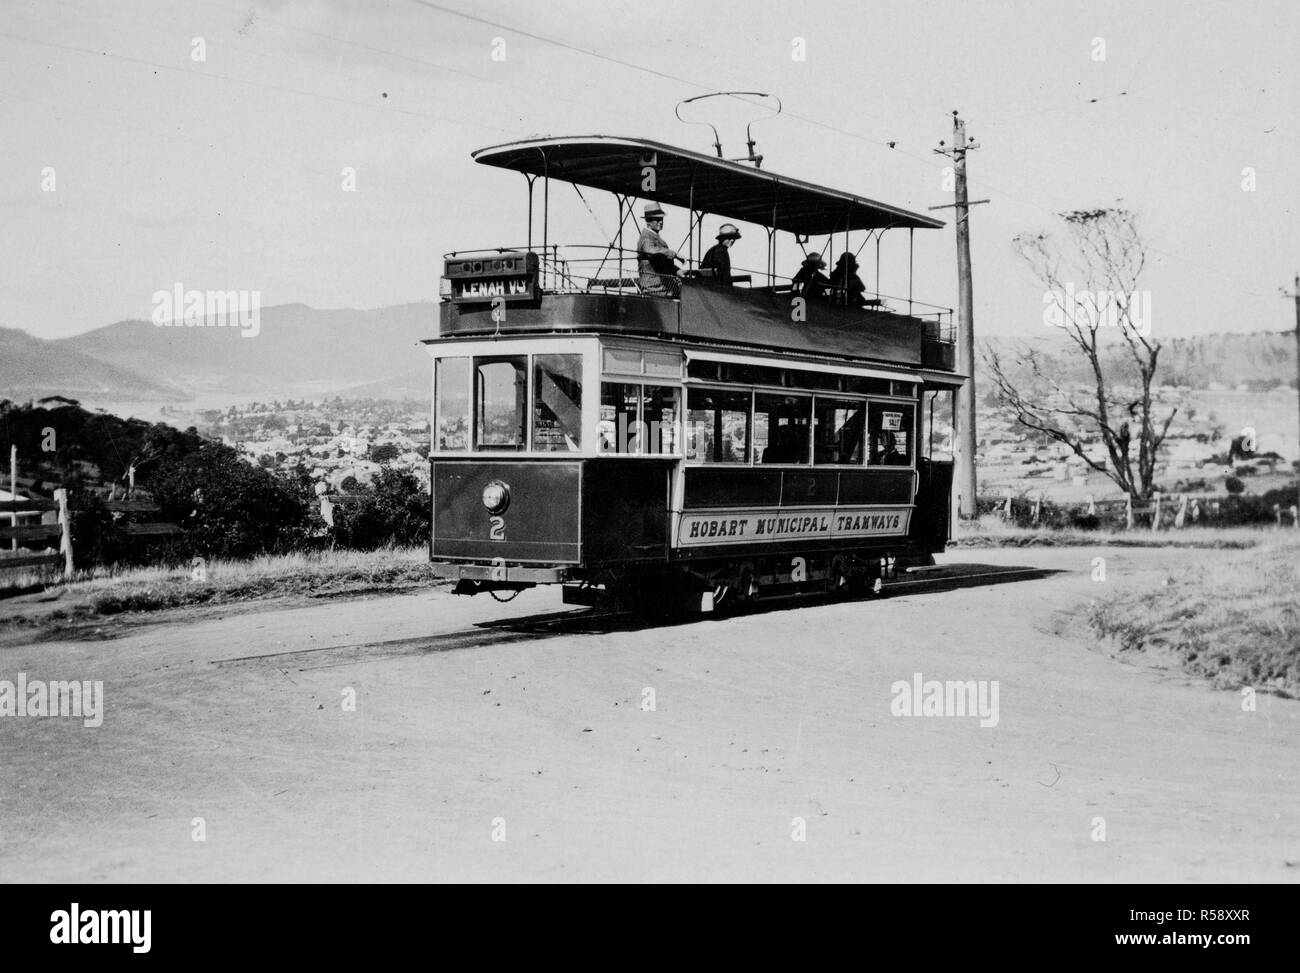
(1295, 295)
(964, 433)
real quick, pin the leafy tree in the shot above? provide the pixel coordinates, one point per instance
(229, 508)
(394, 511)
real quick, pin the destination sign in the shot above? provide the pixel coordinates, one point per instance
(519, 287)
(766, 525)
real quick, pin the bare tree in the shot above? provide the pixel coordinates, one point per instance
(1092, 294)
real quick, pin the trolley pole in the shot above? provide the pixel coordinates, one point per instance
(964, 433)
(1296, 296)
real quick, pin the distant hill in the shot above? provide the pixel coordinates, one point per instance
(1260, 360)
(305, 352)
(31, 368)
(298, 347)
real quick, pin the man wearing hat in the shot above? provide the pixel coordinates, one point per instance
(848, 286)
(810, 282)
(656, 261)
(716, 258)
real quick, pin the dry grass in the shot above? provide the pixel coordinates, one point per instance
(1236, 621)
(994, 533)
(103, 592)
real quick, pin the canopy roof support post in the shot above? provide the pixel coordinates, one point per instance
(546, 209)
(878, 236)
(911, 234)
(690, 209)
(771, 256)
(618, 198)
(530, 180)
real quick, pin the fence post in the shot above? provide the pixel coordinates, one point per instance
(1092, 506)
(65, 541)
(1038, 507)
(1155, 513)
(1128, 515)
(1295, 516)
(13, 493)
(1006, 509)
(1277, 514)
(1180, 518)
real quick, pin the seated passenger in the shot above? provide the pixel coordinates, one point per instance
(656, 261)
(716, 259)
(890, 454)
(847, 285)
(810, 282)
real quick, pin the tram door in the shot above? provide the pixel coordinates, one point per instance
(931, 524)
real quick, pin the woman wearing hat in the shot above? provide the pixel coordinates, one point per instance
(656, 261)
(848, 286)
(810, 282)
(717, 258)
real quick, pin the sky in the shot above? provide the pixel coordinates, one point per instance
(226, 173)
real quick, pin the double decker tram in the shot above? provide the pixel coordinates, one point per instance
(670, 440)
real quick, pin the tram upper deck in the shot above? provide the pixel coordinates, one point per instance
(542, 287)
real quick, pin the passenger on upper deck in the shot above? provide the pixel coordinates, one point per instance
(810, 282)
(847, 285)
(656, 261)
(717, 259)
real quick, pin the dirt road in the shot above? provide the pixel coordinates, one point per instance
(486, 751)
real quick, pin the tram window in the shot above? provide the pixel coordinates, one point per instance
(866, 386)
(619, 404)
(717, 426)
(824, 381)
(781, 426)
(624, 361)
(889, 433)
(663, 366)
(638, 419)
(751, 374)
(839, 426)
(451, 421)
(557, 403)
(501, 399)
(660, 417)
(936, 422)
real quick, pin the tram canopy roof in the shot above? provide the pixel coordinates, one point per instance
(709, 184)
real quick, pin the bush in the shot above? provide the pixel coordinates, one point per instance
(393, 511)
(229, 508)
(1233, 485)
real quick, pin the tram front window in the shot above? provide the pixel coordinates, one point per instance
(889, 433)
(451, 419)
(717, 426)
(500, 396)
(838, 429)
(557, 403)
(781, 424)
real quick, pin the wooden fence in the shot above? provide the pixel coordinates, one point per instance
(1164, 511)
(61, 530)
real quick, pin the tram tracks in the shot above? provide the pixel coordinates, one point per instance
(594, 622)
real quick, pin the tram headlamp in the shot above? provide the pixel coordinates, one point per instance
(496, 497)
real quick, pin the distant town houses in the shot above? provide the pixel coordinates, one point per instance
(336, 441)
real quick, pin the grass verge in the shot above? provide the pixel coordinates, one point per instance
(1235, 622)
(328, 573)
(997, 534)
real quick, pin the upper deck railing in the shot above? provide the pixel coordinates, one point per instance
(591, 269)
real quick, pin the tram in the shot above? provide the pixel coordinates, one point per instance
(671, 440)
